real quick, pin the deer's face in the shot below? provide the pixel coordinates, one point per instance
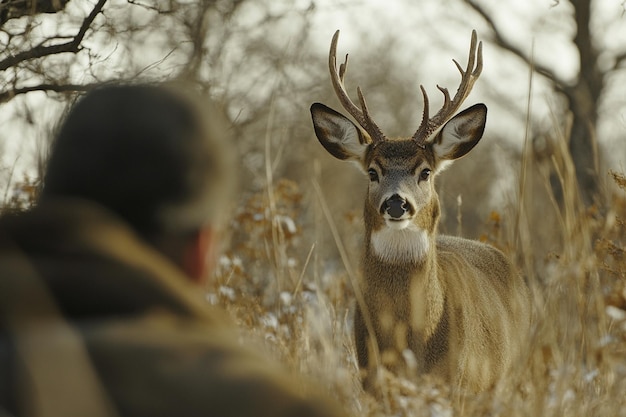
(400, 189)
(402, 208)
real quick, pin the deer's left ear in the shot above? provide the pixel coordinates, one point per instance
(461, 133)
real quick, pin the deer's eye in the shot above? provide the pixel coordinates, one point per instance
(425, 174)
(373, 175)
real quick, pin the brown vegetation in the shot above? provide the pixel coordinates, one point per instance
(576, 364)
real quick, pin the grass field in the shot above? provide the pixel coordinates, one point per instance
(287, 277)
(298, 303)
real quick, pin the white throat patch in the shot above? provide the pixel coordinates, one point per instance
(404, 245)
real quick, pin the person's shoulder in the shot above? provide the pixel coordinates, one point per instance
(161, 364)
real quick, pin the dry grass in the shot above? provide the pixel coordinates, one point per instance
(283, 294)
(296, 300)
(19, 195)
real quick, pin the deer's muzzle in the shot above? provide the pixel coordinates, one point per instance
(395, 206)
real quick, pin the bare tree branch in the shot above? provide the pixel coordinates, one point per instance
(40, 51)
(515, 50)
(14, 9)
(583, 94)
(56, 88)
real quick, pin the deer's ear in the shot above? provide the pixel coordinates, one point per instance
(461, 133)
(337, 134)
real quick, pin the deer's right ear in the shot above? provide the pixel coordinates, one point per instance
(337, 134)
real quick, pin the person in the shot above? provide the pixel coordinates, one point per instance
(101, 306)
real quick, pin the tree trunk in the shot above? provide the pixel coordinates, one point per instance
(583, 103)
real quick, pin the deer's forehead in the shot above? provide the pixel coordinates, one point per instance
(399, 153)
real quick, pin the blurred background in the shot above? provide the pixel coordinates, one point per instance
(552, 73)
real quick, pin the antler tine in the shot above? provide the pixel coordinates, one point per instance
(421, 132)
(362, 115)
(371, 127)
(450, 106)
(342, 68)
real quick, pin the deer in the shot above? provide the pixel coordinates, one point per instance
(438, 305)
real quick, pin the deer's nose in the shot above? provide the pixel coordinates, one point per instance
(395, 206)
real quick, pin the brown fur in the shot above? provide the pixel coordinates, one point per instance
(463, 313)
(442, 305)
(458, 305)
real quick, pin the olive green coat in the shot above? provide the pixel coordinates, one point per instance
(94, 322)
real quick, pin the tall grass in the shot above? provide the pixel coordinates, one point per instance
(299, 305)
(296, 301)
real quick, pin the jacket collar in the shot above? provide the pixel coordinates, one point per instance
(95, 265)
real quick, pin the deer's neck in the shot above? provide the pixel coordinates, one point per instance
(411, 253)
(410, 246)
(411, 285)
(402, 266)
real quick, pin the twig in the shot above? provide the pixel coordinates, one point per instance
(40, 51)
(508, 46)
(57, 88)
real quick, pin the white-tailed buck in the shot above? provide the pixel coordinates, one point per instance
(451, 307)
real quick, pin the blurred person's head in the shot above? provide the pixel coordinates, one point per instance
(157, 156)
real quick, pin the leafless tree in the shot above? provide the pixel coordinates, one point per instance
(251, 56)
(20, 57)
(583, 95)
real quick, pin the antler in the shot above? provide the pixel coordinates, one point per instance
(362, 115)
(468, 77)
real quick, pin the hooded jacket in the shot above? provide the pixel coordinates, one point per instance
(95, 322)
